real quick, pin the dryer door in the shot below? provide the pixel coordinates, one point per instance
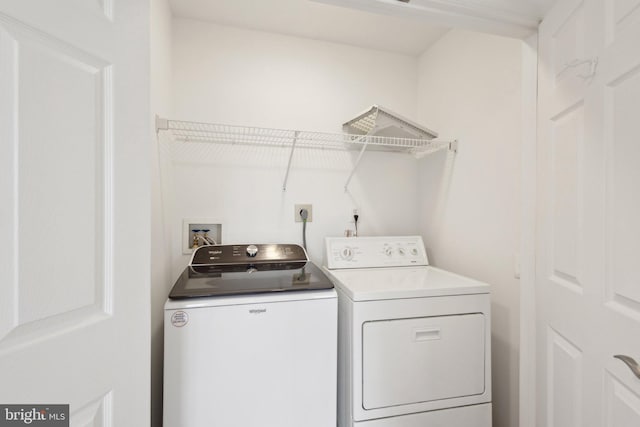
(423, 359)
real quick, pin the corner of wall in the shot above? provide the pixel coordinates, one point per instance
(471, 89)
(161, 104)
(528, 224)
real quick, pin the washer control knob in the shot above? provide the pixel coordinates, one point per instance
(401, 251)
(387, 250)
(252, 250)
(414, 251)
(346, 253)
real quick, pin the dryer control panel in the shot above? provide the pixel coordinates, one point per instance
(368, 252)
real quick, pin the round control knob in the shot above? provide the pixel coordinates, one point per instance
(346, 253)
(401, 251)
(252, 250)
(388, 251)
(414, 251)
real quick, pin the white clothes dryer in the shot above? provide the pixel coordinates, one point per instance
(413, 340)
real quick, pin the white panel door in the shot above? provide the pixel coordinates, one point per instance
(74, 129)
(588, 246)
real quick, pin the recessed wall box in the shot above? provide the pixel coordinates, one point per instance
(198, 230)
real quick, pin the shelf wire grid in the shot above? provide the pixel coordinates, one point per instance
(186, 131)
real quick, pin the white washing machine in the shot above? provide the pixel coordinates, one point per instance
(413, 340)
(250, 340)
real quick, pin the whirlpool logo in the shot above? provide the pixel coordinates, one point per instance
(35, 415)
(258, 310)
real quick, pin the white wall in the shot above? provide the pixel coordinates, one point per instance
(470, 88)
(161, 280)
(235, 76)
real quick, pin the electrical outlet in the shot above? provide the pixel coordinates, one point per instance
(296, 212)
(351, 218)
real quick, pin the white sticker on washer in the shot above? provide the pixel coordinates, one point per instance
(179, 319)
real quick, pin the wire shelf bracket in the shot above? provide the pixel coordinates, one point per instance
(293, 147)
(161, 124)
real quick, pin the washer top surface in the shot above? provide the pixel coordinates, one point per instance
(403, 282)
(380, 268)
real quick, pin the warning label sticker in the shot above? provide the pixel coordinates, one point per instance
(179, 319)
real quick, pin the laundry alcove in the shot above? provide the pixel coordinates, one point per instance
(466, 85)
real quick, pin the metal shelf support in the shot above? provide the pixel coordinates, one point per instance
(355, 166)
(293, 147)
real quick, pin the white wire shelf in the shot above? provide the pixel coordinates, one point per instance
(186, 131)
(381, 121)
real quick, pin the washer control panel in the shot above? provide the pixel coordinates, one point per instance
(247, 254)
(366, 252)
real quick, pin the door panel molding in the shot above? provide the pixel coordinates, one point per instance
(98, 413)
(620, 16)
(38, 141)
(8, 181)
(623, 275)
(620, 398)
(106, 6)
(566, 142)
(564, 383)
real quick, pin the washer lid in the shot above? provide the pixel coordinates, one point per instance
(403, 282)
(221, 280)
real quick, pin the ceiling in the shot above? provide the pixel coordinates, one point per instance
(321, 21)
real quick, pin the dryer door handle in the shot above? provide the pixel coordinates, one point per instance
(426, 334)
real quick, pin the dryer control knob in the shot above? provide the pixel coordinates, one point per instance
(346, 253)
(252, 250)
